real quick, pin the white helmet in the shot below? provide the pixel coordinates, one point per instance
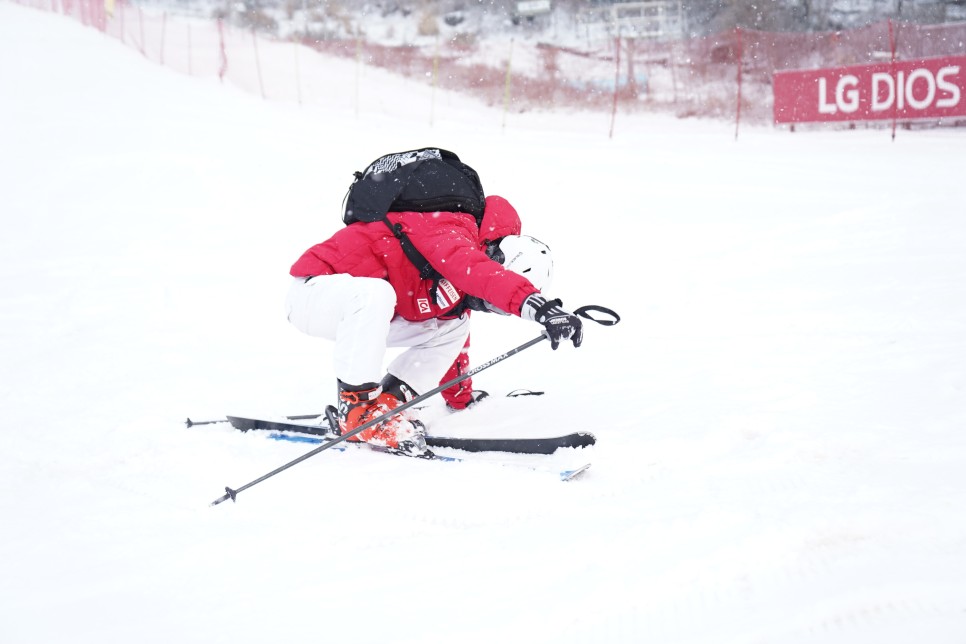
(525, 256)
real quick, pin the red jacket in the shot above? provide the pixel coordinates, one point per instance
(450, 241)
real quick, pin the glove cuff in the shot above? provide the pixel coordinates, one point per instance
(530, 305)
(536, 308)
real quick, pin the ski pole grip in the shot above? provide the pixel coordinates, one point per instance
(584, 312)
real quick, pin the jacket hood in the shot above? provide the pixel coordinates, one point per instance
(500, 219)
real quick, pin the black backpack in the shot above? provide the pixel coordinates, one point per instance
(424, 180)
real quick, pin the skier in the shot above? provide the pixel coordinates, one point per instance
(361, 289)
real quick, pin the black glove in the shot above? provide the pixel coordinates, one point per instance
(559, 324)
(475, 396)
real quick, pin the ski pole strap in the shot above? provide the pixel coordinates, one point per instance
(523, 392)
(584, 313)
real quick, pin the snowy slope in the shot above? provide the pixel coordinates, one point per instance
(780, 414)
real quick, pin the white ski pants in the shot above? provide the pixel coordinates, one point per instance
(357, 313)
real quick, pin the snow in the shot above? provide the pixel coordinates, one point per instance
(780, 413)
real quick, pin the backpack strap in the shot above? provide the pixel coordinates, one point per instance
(426, 270)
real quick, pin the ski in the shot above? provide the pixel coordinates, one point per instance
(564, 475)
(516, 393)
(547, 445)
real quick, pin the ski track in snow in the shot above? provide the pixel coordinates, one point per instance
(779, 415)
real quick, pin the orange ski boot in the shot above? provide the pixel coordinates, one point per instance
(399, 433)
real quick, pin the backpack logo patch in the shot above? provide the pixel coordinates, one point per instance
(392, 162)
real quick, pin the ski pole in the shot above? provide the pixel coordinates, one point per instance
(233, 493)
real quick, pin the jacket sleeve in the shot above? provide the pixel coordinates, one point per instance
(449, 242)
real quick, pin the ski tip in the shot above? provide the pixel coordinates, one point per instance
(579, 440)
(243, 424)
(570, 475)
(295, 438)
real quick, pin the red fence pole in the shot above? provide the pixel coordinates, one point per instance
(190, 71)
(895, 77)
(617, 77)
(740, 58)
(164, 29)
(258, 64)
(141, 27)
(224, 57)
(298, 75)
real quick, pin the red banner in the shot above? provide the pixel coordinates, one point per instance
(932, 88)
